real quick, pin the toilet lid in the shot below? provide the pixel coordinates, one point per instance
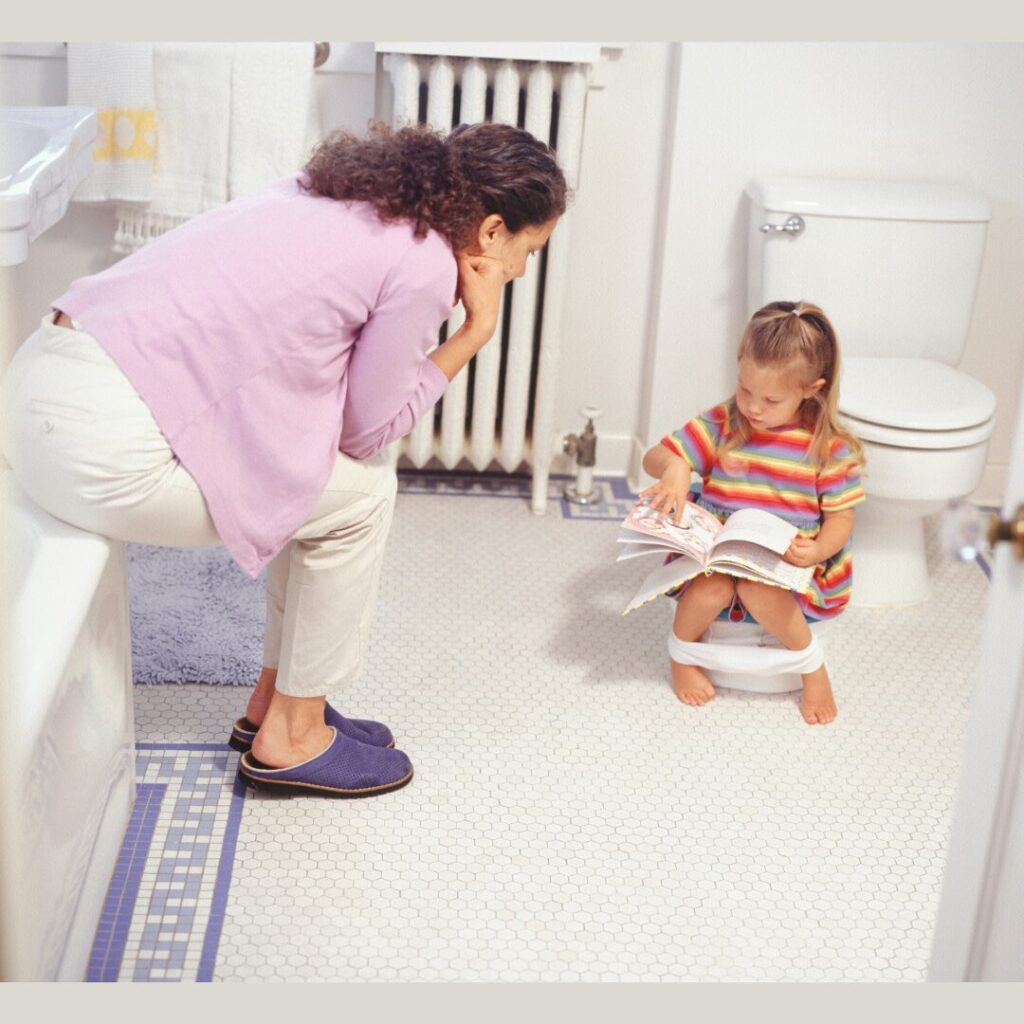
(912, 394)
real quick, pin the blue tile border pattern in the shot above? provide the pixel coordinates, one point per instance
(116, 917)
(167, 900)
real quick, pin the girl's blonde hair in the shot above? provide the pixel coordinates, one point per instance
(797, 336)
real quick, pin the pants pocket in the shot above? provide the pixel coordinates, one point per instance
(62, 410)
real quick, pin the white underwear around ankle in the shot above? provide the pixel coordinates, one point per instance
(752, 659)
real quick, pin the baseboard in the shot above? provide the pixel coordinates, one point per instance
(622, 454)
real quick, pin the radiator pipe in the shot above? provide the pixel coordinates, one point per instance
(584, 447)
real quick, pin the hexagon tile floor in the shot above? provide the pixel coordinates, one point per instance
(569, 820)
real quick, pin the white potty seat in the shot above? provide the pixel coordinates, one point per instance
(744, 656)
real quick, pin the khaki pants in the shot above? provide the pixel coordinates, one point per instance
(84, 446)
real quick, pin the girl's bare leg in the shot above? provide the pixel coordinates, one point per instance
(778, 612)
(702, 600)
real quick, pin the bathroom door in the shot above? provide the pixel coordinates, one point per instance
(979, 933)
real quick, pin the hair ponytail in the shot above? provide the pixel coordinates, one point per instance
(800, 336)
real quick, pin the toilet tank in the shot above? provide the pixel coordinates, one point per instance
(894, 265)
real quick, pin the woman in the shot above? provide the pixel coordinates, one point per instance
(234, 381)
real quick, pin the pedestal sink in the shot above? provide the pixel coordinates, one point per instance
(45, 153)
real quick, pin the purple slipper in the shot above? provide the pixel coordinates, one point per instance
(346, 768)
(375, 733)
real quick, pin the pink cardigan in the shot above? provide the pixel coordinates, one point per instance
(267, 334)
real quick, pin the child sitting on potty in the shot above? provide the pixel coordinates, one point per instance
(775, 445)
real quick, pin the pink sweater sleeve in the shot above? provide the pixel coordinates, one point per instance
(391, 382)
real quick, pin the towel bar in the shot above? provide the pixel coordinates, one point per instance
(321, 51)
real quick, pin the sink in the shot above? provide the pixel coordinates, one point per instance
(45, 153)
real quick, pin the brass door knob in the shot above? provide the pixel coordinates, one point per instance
(1008, 529)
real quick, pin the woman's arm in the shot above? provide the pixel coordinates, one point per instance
(390, 382)
(452, 355)
(481, 279)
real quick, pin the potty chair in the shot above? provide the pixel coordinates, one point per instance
(744, 656)
(739, 654)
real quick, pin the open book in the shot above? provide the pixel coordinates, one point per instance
(748, 544)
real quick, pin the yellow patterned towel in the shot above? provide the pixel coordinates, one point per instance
(230, 117)
(116, 79)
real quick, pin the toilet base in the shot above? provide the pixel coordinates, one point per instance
(890, 567)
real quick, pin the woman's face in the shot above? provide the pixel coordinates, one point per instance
(513, 249)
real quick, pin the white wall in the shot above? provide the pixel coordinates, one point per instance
(616, 238)
(939, 112)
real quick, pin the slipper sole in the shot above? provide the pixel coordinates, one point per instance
(309, 788)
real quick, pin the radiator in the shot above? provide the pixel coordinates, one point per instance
(500, 407)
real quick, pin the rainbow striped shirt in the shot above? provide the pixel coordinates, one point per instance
(772, 471)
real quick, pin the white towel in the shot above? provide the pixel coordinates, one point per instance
(117, 80)
(233, 117)
(271, 93)
(193, 103)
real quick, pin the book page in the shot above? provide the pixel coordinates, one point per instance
(655, 543)
(665, 577)
(760, 564)
(631, 550)
(693, 536)
(757, 527)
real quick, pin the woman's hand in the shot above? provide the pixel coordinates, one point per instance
(669, 493)
(804, 551)
(481, 280)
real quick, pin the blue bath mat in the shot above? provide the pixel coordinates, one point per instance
(196, 617)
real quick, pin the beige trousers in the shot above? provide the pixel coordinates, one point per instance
(84, 446)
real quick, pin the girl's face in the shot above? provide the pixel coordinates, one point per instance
(769, 396)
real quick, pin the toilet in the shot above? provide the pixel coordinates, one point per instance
(895, 266)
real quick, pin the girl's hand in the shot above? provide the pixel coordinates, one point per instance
(481, 280)
(669, 493)
(803, 551)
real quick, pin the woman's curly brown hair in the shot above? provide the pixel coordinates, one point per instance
(449, 184)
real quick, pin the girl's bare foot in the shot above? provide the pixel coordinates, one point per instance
(817, 705)
(691, 685)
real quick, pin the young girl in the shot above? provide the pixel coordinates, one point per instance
(775, 445)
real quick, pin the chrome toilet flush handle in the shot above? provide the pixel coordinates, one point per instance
(794, 225)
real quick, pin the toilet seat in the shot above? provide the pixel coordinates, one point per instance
(914, 403)
(894, 437)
